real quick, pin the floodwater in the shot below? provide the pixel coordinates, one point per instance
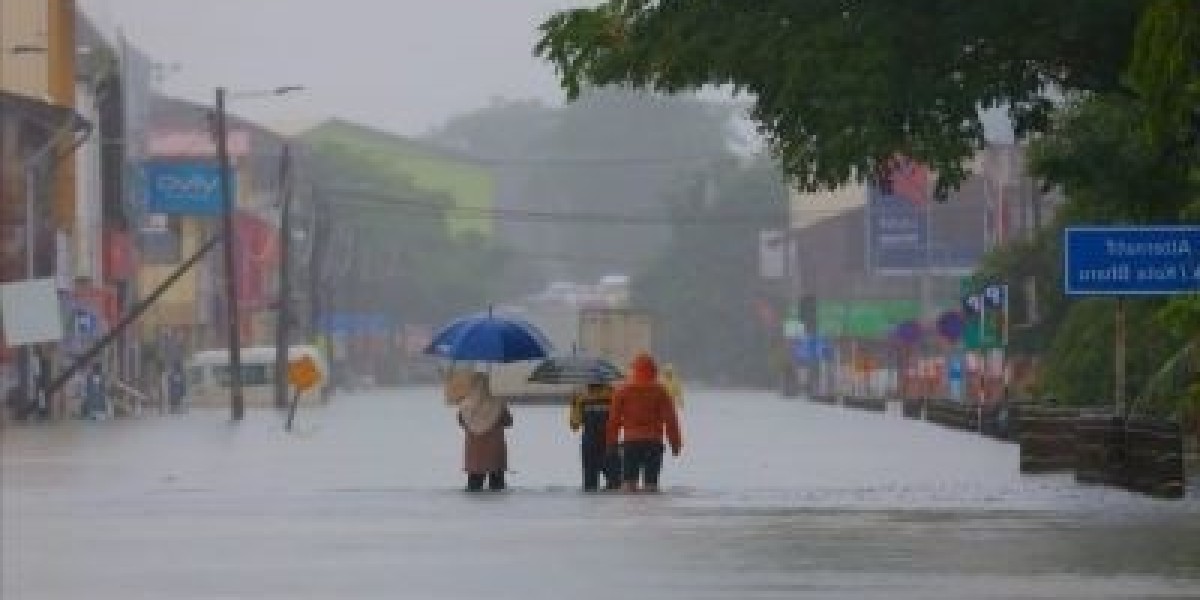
(772, 498)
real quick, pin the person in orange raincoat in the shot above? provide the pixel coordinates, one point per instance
(642, 412)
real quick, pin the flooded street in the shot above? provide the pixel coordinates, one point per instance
(771, 499)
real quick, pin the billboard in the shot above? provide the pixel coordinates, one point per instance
(190, 188)
(1131, 261)
(897, 234)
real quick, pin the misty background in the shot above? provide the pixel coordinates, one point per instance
(670, 192)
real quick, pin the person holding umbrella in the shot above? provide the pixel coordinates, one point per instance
(483, 418)
(589, 411)
(485, 338)
(642, 412)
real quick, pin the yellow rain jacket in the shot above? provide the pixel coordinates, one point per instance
(669, 380)
(593, 399)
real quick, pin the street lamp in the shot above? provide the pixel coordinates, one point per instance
(237, 405)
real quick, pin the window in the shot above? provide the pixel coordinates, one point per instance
(251, 375)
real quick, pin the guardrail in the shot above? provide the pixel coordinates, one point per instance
(1141, 455)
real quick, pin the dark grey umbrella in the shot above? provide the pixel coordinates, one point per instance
(575, 370)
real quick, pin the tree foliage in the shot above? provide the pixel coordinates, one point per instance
(704, 287)
(384, 257)
(1164, 69)
(1096, 153)
(613, 156)
(839, 87)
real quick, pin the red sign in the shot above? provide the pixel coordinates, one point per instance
(909, 179)
(120, 255)
(195, 143)
(258, 256)
(102, 301)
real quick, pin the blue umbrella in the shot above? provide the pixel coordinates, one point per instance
(487, 337)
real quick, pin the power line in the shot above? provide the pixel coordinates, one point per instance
(602, 161)
(410, 205)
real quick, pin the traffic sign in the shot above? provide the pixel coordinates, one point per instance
(85, 323)
(1131, 261)
(303, 373)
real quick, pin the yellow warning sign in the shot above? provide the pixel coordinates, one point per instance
(302, 373)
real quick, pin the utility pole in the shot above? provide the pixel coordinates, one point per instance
(1119, 360)
(284, 309)
(237, 406)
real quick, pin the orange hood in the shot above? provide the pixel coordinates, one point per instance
(643, 369)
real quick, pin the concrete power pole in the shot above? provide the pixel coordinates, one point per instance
(284, 309)
(237, 407)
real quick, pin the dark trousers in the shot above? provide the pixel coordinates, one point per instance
(495, 481)
(642, 460)
(598, 460)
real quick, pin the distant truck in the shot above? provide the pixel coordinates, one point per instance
(616, 334)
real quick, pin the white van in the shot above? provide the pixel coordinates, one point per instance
(208, 376)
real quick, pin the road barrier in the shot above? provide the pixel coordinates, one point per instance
(1047, 437)
(1100, 449)
(953, 414)
(826, 398)
(1154, 458)
(871, 404)
(1144, 455)
(913, 408)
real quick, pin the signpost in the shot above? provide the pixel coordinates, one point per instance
(1130, 261)
(303, 374)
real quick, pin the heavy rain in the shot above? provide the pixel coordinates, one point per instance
(550, 298)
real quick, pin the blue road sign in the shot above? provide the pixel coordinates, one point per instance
(183, 188)
(85, 323)
(1131, 261)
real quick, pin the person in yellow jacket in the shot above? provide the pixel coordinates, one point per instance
(670, 381)
(589, 412)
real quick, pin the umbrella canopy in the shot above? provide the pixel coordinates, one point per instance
(487, 337)
(575, 370)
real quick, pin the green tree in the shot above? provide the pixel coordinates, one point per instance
(704, 287)
(1083, 350)
(840, 87)
(1097, 154)
(581, 187)
(391, 251)
(1164, 69)
(504, 129)
(619, 154)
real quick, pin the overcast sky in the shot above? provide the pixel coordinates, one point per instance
(403, 65)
